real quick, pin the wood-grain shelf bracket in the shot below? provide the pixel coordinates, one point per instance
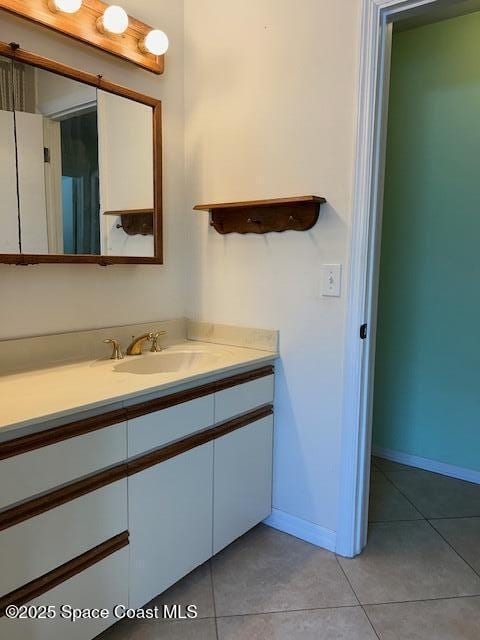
(264, 216)
(134, 221)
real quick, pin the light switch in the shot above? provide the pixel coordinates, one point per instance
(332, 280)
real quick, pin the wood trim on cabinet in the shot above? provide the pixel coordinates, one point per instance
(241, 421)
(50, 580)
(242, 378)
(33, 441)
(151, 459)
(36, 506)
(150, 406)
(24, 444)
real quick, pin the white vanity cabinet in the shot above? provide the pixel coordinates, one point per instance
(170, 522)
(116, 508)
(242, 481)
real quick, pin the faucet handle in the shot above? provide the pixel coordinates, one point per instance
(117, 350)
(155, 348)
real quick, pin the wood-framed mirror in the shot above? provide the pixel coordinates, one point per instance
(80, 166)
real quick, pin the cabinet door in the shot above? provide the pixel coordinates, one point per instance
(170, 522)
(242, 481)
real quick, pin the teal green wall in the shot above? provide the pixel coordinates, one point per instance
(427, 379)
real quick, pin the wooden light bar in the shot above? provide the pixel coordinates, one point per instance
(82, 26)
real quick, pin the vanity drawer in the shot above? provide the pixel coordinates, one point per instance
(156, 429)
(101, 586)
(243, 397)
(42, 543)
(43, 469)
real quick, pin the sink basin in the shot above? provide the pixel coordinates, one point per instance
(167, 362)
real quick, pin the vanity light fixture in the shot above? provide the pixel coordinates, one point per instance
(100, 24)
(65, 6)
(155, 42)
(114, 20)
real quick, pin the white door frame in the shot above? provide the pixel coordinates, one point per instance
(363, 271)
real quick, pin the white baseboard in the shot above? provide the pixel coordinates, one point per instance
(303, 529)
(444, 469)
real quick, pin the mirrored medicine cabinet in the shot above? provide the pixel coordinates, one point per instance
(80, 166)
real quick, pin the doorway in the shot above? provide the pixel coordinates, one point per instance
(363, 410)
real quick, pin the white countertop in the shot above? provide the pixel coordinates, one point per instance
(52, 393)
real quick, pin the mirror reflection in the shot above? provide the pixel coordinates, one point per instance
(74, 160)
(57, 147)
(10, 236)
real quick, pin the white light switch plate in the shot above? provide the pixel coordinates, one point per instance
(332, 280)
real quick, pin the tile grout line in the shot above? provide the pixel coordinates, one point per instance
(356, 596)
(390, 480)
(422, 518)
(343, 606)
(454, 550)
(395, 521)
(370, 622)
(455, 518)
(405, 496)
(429, 522)
(213, 598)
(439, 599)
(281, 611)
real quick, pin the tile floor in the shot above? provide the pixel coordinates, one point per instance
(418, 579)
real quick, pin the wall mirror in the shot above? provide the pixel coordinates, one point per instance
(80, 166)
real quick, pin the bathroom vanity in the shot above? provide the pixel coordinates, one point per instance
(113, 502)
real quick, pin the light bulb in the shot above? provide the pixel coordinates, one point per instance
(155, 42)
(114, 20)
(65, 6)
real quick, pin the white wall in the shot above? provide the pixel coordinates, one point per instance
(47, 298)
(270, 111)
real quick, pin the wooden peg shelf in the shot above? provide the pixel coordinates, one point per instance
(134, 221)
(264, 216)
